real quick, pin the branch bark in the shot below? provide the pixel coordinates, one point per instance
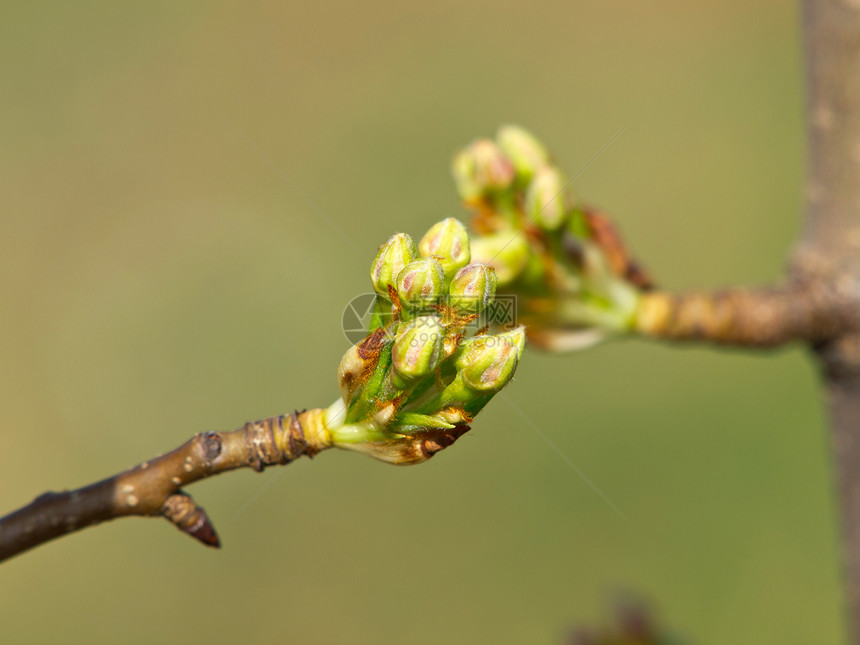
(801, 310)
(154, 488)
(830, 247)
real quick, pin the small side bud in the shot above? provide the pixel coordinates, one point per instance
(448, 242)
(524, 150)
(420, 284)
(481, 168)
(473, 288)
(417, 351)
(358, 364)
(545, 199)
(384, 415)
(487, 363)
(392, 256)
(350, 372)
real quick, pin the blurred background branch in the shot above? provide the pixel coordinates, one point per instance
(830, 247)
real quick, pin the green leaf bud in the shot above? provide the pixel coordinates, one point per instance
(448, 242)
(545, 200)
(420, 284)
(417, 351)
(507, 252)
(473, 288)
(390, 260)
(524, 150)
(487, 363)
(480, 169)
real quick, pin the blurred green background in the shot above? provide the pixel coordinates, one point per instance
(158, 278)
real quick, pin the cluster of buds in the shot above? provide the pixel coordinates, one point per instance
(574, 280)
(414, 384)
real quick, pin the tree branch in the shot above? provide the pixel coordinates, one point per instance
(830, 248)
(154, 488)
(811, 312)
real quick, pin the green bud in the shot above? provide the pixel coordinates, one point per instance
(473, 288)
(481, 168)
(448, 242)
(420, 284)
(507, 252)
(487, 363)
(417, 351)
(524, 150)
(545, 199)
(392, 256)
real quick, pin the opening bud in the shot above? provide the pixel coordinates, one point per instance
(545, 199)
(481, 168)
(448, 242)
(417, 351)
(390, 260)
(473, 288)
(524, 150)
(420, 284)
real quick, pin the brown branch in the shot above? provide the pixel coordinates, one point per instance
(812, 312)
(154, 488)
(830, 247)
